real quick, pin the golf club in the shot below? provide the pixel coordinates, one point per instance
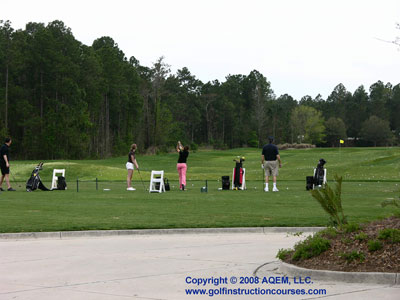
(141, 179)
(263, 177)
(15, 182)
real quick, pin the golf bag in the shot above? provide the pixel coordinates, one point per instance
(319, 177)
(238, 174)
(34, 182)
(309, 183)
(61, 183)
(225, 182)
(166, 184)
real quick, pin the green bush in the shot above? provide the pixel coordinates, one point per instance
(283, 253)
(361, 236)
(329, 232)
(310, 247)
(162, 150)
(390, 234)
(395, 203)
(194, 147)
(374, 245)
(331, 201)
(252, 140)
(352, 227)
(346, 240)
(353, 255)
(218, 145)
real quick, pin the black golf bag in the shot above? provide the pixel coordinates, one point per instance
(225, 182)
(309, 183)
(238, 174)
(61, 183)
(319, 176)
(34, 182)
(166, 184)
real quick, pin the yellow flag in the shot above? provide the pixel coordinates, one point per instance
(341, 141)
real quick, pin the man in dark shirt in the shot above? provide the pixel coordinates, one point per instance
(5, 164)
(269, 162)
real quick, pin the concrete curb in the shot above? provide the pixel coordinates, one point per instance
(103, 233)
(348, 277)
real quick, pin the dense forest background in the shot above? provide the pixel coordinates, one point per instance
(62, 99)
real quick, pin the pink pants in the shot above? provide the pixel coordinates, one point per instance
(182, 167)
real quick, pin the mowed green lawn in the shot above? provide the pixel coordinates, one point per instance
(371, 175)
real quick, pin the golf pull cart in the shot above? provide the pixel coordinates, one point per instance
(34, 182)
(319, 178)
(239, 181)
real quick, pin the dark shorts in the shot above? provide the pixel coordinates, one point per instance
(4, 169)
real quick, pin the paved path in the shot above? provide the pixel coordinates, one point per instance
(155, 267)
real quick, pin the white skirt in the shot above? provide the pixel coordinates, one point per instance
(129, 166)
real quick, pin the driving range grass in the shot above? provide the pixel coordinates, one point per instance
(371, 175)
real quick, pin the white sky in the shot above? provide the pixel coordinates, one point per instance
(303, 47)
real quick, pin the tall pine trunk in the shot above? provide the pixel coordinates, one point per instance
(107, 124)
(6, 104)
(41, 95)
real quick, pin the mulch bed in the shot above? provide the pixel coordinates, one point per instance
(386, 259)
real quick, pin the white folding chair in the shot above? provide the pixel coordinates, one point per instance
(157, 182)
(60, 172)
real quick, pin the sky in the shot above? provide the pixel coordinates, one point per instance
(303, 47)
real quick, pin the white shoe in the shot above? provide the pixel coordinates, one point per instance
(266, 189)
(131, 189)
(275, 189)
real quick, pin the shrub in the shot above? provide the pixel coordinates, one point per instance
(329, 232)
(361, 236)
(353, 255)
(346, 240)
(395, 203)
(252, 141)
(162, 150)
(194, 147)
(283, 253)
(390, 234)
(310, 247)
(352, 227)
(331, 201)
(294, 146)
(220, 146)
(374, 245)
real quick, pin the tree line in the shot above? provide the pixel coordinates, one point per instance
(60, 98)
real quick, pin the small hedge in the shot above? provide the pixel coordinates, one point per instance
(312, 246)
(390, 234)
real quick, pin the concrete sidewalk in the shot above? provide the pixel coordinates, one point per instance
(158, 267)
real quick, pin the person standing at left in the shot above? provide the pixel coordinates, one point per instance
(5, 164)
(130, 166)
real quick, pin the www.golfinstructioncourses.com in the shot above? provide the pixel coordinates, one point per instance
(219, 290)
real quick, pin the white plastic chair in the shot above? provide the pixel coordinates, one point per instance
(157, 177)
(54, 181)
